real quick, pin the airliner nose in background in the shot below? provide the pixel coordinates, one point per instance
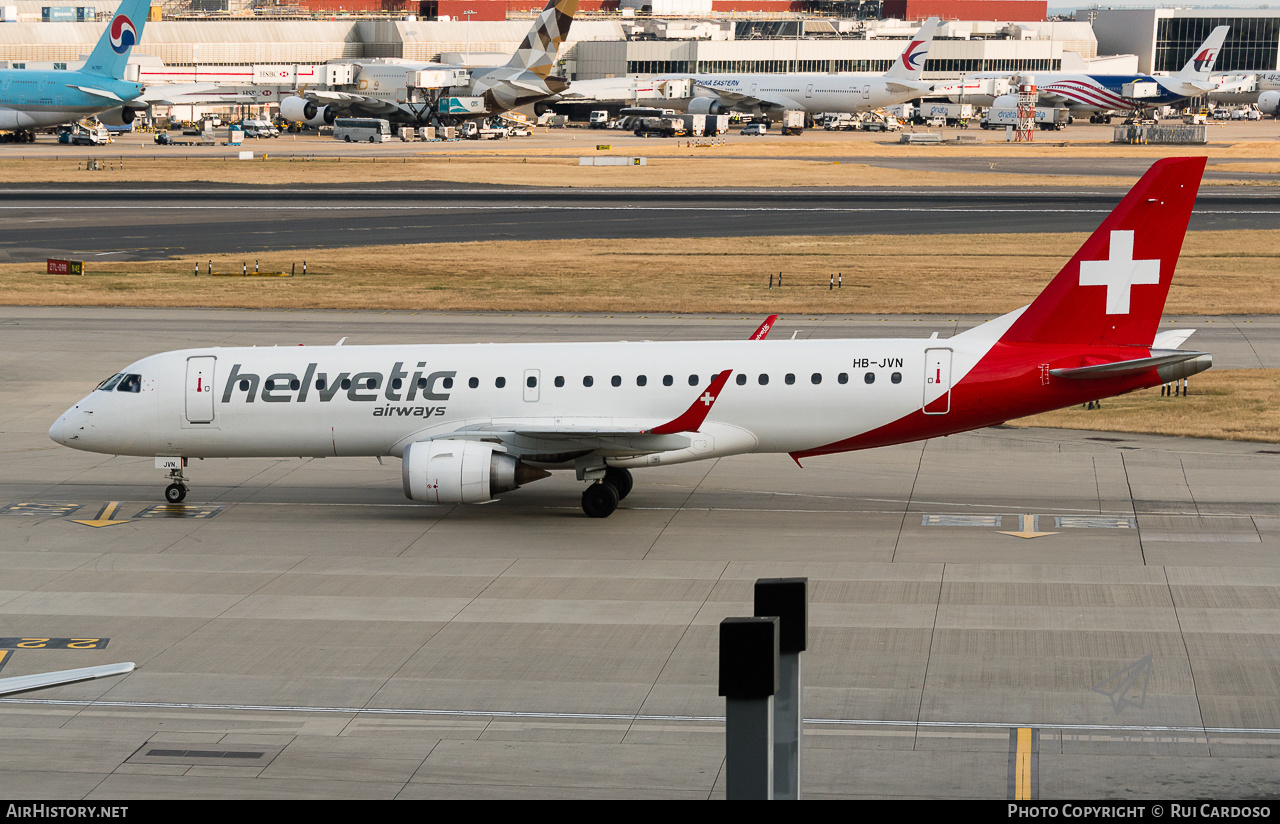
(473, 421)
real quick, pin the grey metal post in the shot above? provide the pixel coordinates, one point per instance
(788, 599)
(748, 681)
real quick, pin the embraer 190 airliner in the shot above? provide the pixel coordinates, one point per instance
(470, 422)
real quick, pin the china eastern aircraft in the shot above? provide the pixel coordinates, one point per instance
(470, 422)
(772, 94)
(33, 99)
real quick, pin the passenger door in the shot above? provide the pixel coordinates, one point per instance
(937, 381)
(199, 391)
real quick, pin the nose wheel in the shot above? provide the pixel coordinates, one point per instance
(175, 493)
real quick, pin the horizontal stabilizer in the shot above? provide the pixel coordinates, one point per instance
(26, 683)
(97, 92)
(1159, 358)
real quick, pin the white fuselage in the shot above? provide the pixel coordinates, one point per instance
(292, 401)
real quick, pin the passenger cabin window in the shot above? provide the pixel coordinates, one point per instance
(587, 380)
(473, 383)
(790, 379)
(346, 383)
(616, 380)
(559, 381)
(320, 383)
(500, 382)
(896, 377)
(447, 383)
(531, 381)
(843, 377)
(130, 383)
(641, 380)
(870, 377)
(742, 379)
(667, 380)
(395, 384)
(693, 380)
(764, 380)
(816, 379)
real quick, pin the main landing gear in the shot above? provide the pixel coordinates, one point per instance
(601, 498)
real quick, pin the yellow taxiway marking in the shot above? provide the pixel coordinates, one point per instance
(104, 517)
(1028, 528)
(1022, 769)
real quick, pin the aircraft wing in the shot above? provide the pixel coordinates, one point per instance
(738, 100)
(347, 102)
(590, 435)
(27, 683)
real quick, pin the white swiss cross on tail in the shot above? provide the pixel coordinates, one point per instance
(1119, 272)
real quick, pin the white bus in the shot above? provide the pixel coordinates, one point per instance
(362, 130)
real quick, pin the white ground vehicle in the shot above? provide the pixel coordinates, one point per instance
(259, 128)
(756, 129)
(361, 130)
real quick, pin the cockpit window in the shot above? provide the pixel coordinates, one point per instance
(130, 383)
(110, 383)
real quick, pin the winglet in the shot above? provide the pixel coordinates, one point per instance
(697, 412)
(763, 332)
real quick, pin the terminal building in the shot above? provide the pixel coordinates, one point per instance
(1163, 39)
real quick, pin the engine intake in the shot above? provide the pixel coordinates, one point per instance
(301, 110)
(461, 472)
(122, 116)
(1268, 102)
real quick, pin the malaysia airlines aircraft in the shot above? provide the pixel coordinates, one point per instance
(772, 94)
(1104, 92)
(470, 422)
(32, 99)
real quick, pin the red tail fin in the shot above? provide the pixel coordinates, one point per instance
(1114, 289)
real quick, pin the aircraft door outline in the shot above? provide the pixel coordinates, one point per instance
(937, 373)
(199, 389)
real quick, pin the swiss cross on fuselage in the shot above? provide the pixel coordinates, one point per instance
(1119, 272)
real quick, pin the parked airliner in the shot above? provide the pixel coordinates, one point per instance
(772, 94)
(32, 99)
(470, 422)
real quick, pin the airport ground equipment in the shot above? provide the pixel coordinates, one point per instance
(749, 683)
(788, 599)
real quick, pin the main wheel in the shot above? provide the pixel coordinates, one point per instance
(600, 500)
(175, 493)
(619, 479)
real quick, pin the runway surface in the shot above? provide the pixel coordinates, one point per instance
(145, 222)
(303, 630)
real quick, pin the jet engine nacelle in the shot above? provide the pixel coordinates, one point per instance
(706, 105)
(1268, 102)
(461, 472)
(1005, 101)
(301, 110)
(121, 116)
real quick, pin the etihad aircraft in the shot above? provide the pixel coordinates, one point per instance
(1101, 93)
(772, 94)
(470, 422)
(381, 88)
(37, 99)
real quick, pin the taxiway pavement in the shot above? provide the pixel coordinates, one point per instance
(302, 630)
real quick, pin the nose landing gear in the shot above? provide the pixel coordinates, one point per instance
(176, 491)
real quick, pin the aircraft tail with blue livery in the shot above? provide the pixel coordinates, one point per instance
(124, 32)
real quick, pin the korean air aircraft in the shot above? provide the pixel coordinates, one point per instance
(470, 422)
(31, 100)
(1096, 93)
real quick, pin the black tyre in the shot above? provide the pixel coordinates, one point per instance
(619, 479)
(600, 500)
(175, 493)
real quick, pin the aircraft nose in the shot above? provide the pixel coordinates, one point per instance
(66, 430)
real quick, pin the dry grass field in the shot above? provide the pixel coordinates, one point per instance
(1219, 273)
(813, 162)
